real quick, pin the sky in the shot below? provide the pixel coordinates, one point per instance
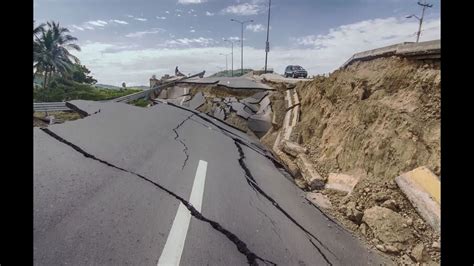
(131, 40)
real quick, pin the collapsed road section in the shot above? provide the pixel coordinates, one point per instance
(107, 188)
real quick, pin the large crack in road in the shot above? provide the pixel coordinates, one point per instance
(252, 258)
(177, 138)
(251, 181)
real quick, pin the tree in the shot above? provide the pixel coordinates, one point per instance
(80, 73)
(51, 54)
(36, 31)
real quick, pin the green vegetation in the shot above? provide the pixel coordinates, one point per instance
(51, 45)
(61, 89)
(228, 73)
(58, 75)
(140, 102)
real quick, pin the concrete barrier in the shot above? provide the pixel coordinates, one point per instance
(309, 173)
(423, 190)
(293, 148)
(421, 50)
(341, 182)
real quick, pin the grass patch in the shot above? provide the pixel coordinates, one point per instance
(140, 103)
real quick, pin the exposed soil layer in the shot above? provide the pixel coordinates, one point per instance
(382, 116)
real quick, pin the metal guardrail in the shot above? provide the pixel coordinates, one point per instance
(61, 106)
(146, 94)
(50, 107)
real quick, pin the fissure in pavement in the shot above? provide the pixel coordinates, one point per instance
(252, 258)
(255, 186)
(185, 150)
(231, 135)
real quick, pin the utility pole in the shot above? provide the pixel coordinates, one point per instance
(241, 43)
(267, 44)
(226, 69)
(424, 5)
(232, 52)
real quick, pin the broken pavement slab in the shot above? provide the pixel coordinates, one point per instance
(197, 101)
(318, 199)
(260, 123)
(239, 108)
(219, 113)
(341, 182)
(264, 104)
(293, 148)
(309, 173)
(423, 190)
(256, 98)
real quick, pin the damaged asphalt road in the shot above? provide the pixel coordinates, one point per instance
(107, 190)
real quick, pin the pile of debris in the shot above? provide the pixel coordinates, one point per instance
(247, 109)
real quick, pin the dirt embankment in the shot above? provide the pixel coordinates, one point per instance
(376, 120)
(381, 116)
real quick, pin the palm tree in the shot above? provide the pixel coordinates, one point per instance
(36, 31)
(51, 51)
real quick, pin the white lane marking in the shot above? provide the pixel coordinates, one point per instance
(173, 249)
(183, 97)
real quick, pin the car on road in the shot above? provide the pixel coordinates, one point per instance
(295, 72)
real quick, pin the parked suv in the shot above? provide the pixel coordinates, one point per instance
(295, 72)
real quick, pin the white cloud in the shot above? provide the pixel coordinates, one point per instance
(140, 34)
(192, 31)
(88, 27)
(167, 12)
(191, 1)
(98, 23)
(77, 27)
(130, 16)
(255, 27)
(158, 17)
(318, 54)
(201, 41)
(245, 9)
(141, 19)
(179, 15)
(209, 13)
(119, 21)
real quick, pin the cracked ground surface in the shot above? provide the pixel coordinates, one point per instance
(107, 188)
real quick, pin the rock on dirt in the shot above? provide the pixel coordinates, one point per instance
(387, 226)
(419, 253)
(390, 204)
(319, 200)
(300, 183)
(352, 213)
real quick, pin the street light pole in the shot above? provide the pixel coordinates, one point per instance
(267, 44)
(232, 54)
(241, 43)
(226, 69)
